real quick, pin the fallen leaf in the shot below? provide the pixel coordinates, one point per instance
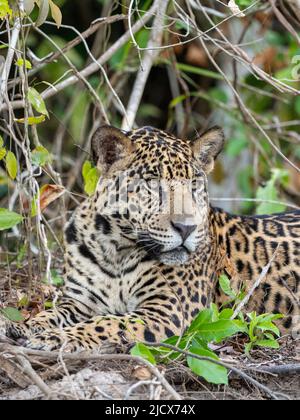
(141, 373)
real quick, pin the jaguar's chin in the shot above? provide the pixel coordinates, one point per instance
(178, 256)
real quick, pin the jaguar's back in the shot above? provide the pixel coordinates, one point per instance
(263, 250)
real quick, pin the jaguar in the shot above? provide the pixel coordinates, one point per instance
(144, 253)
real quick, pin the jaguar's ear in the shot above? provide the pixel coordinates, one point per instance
(207, 148)
(109, 145)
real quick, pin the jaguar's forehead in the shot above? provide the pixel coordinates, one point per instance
(149, 136)
(161, 153)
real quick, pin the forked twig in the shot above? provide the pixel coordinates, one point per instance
(257, 283)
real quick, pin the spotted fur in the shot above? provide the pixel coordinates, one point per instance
(141, 274)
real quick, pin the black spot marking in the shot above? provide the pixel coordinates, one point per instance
(149, 336)
(86, 253)
(71, 233)
(101, 223)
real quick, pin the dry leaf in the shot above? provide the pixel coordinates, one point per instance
(50, 193)
(196, 56)
(56, 13)
(141, 373)
(294, 184)
(235, 9)
(267, 59)
(48, 290)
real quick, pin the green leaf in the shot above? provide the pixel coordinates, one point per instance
(37, 101)
(9, 219)
(269, 336)
(11, 165)
(20, 63)
(32, 120)
(218, 331)
(244, 3)
(43, 13)
(297, 105)
(210, 371)
(56, 279)
(29, 6)
(23, 302)
(5, 10)
(242, 325)
(12, 314)
(91, 177)
(2, 153)
(215, 312)
(269, 193)
(248, 348)
(197, 70)
(236, 145)
(141, 350)
(87, 166)
(180, 343)
(41, 156)
(268, 326)
(269, 317)
(219, 95)
(203, 317)
(225, 285)
(271, 344)
(226, 314)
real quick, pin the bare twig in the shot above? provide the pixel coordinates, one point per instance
(257, 283)
(146, 65)
(37, 380)
(282, 370)
(92, 357)
(93, 67)
(9, 59)
(285, 23)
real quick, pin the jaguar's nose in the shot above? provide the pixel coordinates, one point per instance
(184, 230)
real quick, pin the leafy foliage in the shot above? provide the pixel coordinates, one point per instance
(5, 9)
(213, 326)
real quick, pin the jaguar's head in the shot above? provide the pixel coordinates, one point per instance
(153, 190)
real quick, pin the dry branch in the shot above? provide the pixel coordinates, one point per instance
(146, 65)
(93, 67)
(22, 353)
(94, 27)
(13, 372)
(13, 40)
(257, 283)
